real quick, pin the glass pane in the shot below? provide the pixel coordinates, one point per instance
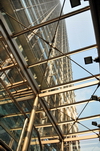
(35, 144)
(4, 136)
(52, 147)
(4, 55)
(16, 4)
(47, 131)
(14, 121)
(91, 144)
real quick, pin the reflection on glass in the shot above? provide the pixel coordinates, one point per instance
(4, 136)
(52, 147)
(47, 131)
(35, 141)
(15, 122)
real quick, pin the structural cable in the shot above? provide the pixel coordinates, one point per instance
(52, 42)
(54, 47)
(82, 110)
(22, 25)
(69, 58)
(75, 121)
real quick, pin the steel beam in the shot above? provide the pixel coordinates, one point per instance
(80, 138)
(47, 142)
(51, 109)
(51, 118)
(70, 105)
(25, 98)
(69, 89)
(50, 21)
(68, 135)
(30, 126)
(67, 139)
(25, 90)
(17, 84)
(71, 82)
(17, 54)
(61, 123)
(22, 94)
(70, 121)
(64, 55)
(8, 67)
(14, 100)
(62, 146)
(55, 139)
(33, 84)
(58, 86)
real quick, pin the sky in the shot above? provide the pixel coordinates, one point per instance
(81, 34)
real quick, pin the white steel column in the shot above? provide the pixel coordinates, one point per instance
(69, 88)
(30, 126)
(22, 135)
(62, 146)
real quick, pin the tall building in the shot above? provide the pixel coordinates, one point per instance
(36, 77)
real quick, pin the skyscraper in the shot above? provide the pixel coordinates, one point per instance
(33, 64)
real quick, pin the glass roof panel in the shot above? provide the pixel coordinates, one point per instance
(47, 131)
(8, 139)
(79, 58)
(13, 122)
(82, 33)
(9, 108)
(61, 81)
(91, 144)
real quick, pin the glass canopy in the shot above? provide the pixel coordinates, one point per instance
(47, 92)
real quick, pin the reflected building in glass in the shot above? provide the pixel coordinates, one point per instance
(33, 63)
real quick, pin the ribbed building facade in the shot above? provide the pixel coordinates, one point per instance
(35, 46)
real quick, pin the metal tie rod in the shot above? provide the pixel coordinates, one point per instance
(50, 21)
(64, 55)
(30, 126)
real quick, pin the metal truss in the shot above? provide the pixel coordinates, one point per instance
(28, 75)
(61, 56)
(8, 67)
(69, 137)
(8, 131)
(51, 21)
(61, 123)
(39, 111)
(34, 89)
(71, 83)
(69, 88)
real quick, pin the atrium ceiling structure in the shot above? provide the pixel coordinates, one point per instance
(39, 109)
